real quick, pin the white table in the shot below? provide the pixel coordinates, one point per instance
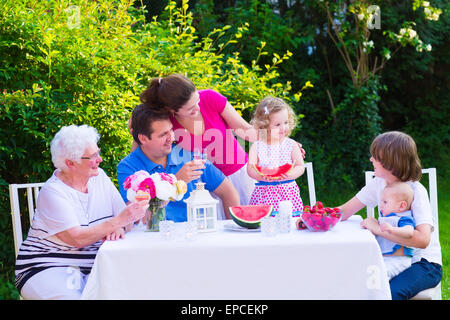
(344, 263)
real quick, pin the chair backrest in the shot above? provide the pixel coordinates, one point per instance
(311, 187)
(432, 193)
(31, 193)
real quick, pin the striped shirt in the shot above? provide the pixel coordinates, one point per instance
(59, 208)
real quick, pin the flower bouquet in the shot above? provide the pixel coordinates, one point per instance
(158, 188)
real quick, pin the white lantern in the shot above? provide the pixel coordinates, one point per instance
(202, 209)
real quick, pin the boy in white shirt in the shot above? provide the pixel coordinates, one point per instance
(395, 158)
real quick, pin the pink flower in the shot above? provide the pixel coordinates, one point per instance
(149, 186)
(127, 183)
(166, 177)
(137, 178)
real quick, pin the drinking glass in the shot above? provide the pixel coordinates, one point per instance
(166, 229)
(190, 230)
(268, 226)
(199, 156)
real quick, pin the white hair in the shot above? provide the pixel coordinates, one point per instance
(71, 142)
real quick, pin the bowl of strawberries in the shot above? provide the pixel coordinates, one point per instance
(320, 218)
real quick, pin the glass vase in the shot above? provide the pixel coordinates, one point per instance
(158, 213)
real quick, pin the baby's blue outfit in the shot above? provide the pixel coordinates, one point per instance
(399, 219)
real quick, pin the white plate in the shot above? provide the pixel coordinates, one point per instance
(231, 226)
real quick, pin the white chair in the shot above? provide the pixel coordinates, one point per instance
(311, 186)
(432, 293)
(31, 191)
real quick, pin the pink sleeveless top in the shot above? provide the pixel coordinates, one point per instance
(217, 141)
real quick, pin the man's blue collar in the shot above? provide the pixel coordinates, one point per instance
(173, 158)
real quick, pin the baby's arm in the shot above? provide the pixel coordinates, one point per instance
(405, 232)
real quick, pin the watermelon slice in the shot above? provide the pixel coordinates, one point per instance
(274, 173)
(250, 216)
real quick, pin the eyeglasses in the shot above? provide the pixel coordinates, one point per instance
(94, 156)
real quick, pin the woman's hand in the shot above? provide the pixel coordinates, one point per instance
(134, 212)
(115, 235)
(192, 170)
(301, 150)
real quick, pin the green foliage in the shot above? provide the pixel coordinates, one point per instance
(345, 136)
(389, 65)
(86, 62)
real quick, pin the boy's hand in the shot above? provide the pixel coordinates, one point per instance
(372, 225)
(386, 227)
(299, 224)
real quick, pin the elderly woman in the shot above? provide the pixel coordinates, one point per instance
(77, 209)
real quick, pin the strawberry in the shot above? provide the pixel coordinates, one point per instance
(328, 210)
(335, 220)
(337, 209)
(321, 211)
(306, 208)
(319, 205)
(306, 215)
(327, 220)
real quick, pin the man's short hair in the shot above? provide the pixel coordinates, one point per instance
(142, 119)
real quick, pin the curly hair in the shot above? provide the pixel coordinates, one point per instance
(70, 143)
(268, 106)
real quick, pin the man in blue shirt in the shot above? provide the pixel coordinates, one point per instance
(152, 130)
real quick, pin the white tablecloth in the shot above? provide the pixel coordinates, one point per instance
(344, 263)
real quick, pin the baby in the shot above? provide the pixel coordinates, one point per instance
(396, 218)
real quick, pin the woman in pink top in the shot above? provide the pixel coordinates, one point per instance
(204, 121)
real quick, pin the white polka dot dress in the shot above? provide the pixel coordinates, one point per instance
(274, 156)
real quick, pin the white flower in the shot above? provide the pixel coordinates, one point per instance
(165, 191)
(428, 47)
(425, 3)
(155, 177)
(361, 16)
(387, 56)
(402, 31)
(368, 44)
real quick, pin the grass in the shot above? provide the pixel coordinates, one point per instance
(444, 233)
(8, 291)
